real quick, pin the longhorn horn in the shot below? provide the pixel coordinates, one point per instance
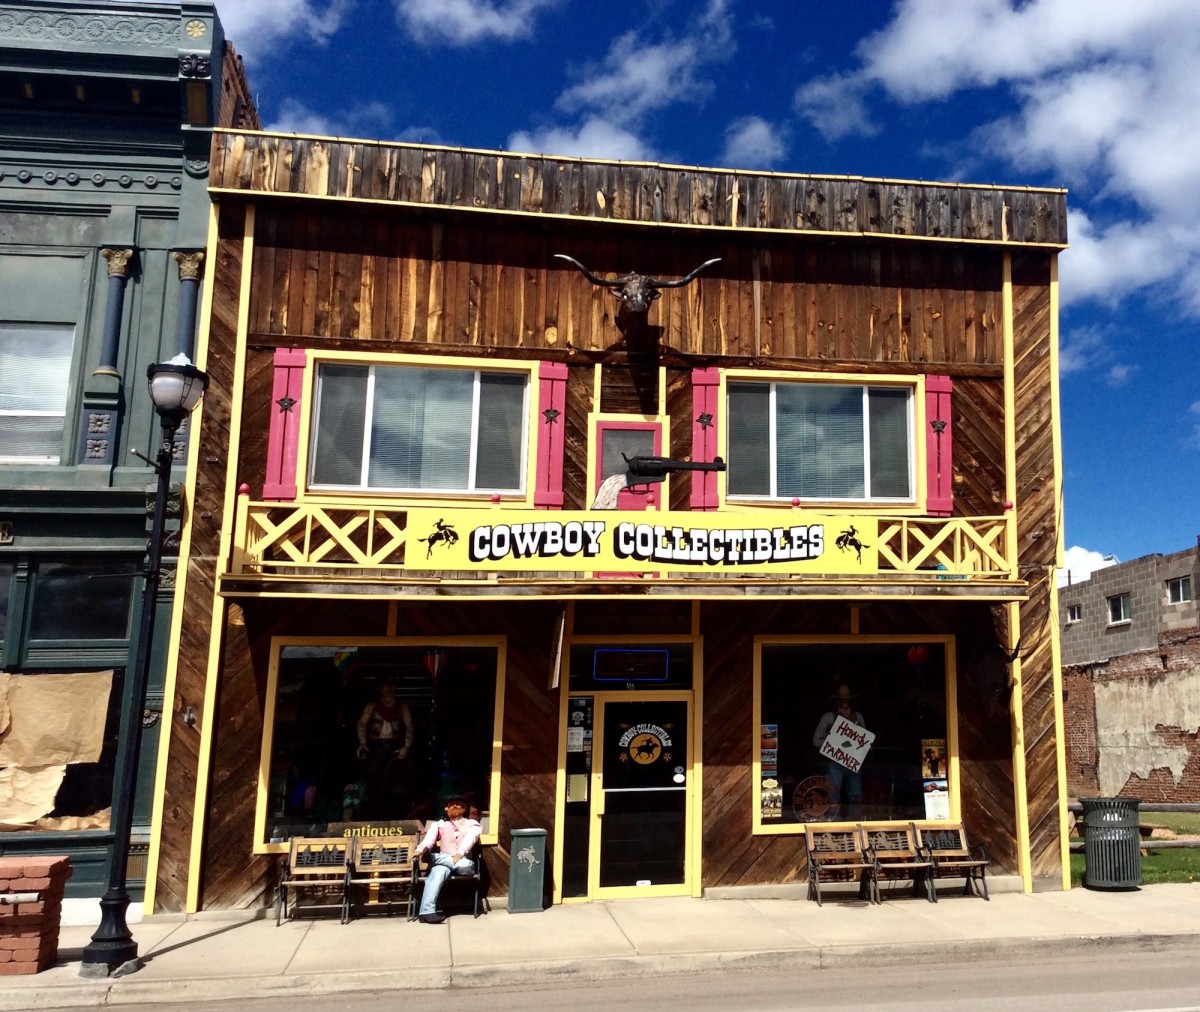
(588, 274)
(656, 283)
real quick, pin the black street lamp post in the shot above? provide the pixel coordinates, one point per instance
(176, 388)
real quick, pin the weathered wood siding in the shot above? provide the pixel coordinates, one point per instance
(732, 856)
(1038, 502)
(232, 876)
(463, 284)
(199, 579)
(544, 185)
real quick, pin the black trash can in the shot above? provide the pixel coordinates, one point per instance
(527, 871)
(1112, 843)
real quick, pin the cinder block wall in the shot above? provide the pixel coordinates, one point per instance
(1093, 638)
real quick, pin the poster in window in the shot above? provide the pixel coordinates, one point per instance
(937, 799)
(933, 758)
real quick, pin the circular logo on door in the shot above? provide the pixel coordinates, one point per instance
(646, 743)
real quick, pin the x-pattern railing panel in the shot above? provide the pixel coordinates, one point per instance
(274, 537)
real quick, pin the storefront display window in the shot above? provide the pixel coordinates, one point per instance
(378, 734)
(852, 732)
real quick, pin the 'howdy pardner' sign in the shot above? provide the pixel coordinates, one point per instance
(612, 541)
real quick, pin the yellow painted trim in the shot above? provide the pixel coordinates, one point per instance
(188, 493)
(913, 381)
(1056, 416)
(216, 637)
(952, 746)
(1020, 782)
(757, 826)
(664, 590)
(1060, 722)
(1017, 708)
(217, 192)
(572, 159)
(695, 869)
(560, 780)
(691, 870)
(259, 845)
(512, 500)
(560, 777)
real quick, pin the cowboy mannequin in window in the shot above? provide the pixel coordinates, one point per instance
(385, 738)
(840, 778)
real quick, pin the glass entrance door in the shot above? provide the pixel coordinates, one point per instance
(640, 836)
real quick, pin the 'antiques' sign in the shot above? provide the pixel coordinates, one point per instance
(611, 541)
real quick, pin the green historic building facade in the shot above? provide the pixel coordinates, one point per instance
(106, 112)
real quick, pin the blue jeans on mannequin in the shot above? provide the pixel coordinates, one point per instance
(839, 777)
(442, 868)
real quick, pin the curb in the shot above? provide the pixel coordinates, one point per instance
(130, 991)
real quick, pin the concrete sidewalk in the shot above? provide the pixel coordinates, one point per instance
(209, 958)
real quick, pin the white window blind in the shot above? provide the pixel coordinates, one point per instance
(35, 376)
(419, 429)
(820, 441)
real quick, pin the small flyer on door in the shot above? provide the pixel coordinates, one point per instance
(772, 798)
(937, 799)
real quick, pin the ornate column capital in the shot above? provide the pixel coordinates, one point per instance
(118, 261)
(189, 264)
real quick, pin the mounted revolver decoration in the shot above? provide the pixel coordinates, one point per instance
(635, 292)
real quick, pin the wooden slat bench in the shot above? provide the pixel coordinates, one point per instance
(380, 865)
(314, 865)
(839, 854)
(952, 855)
(896, 854)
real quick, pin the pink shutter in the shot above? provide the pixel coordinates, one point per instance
(705, 430)
(551, 420)
(283, 438)
(939, 445)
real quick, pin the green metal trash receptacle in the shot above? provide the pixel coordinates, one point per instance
(527, 871)
(1112, 843)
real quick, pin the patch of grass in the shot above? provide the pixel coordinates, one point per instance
(1176, 864)
(1187, 823)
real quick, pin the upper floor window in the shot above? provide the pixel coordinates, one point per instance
(413, 429)
(821, 441)
(1118, 609)
(1074, 612)
(1179, 590)
(35, 373)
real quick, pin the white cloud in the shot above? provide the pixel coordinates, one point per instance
(837, 106)
(637, 77)
(1120, 374)
(253, 25)
(1193, 440)
(370, 119)
(464, 22)
(1083, 348)
(594, 138)
(1080, 563)
(753, 143)
(1104, 94)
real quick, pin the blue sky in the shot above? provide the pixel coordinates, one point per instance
(1099, 96)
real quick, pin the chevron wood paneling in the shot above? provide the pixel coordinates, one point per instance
(1037, 514)
(179, 786)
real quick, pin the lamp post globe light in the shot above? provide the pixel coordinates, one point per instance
(175, 388)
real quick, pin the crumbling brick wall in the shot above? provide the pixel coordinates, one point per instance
(1133, 723)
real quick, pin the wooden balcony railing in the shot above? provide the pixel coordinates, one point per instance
(354, 542)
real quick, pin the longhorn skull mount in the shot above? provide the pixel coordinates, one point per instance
(634, 291)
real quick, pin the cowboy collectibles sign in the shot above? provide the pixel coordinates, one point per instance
(612, 541)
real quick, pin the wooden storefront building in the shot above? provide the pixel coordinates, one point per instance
(397, 487)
